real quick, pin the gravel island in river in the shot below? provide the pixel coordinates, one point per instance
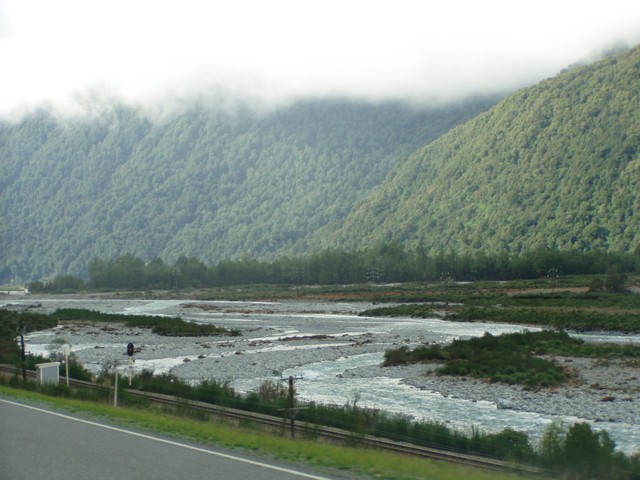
(338, 354)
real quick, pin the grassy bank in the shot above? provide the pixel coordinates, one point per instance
(325, 457)
(575, 450)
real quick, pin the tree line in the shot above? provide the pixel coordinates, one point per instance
(388, 263)
(207, 182)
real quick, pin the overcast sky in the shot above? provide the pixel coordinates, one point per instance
(152, 51)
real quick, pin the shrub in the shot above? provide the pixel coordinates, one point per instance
(587, 452)
(581, 453)
(510, 443)
(506, 358)
(272, 392)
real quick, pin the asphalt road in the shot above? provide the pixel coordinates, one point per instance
(36, 443)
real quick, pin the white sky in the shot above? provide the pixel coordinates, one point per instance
(150, 51)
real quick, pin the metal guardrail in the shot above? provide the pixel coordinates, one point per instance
(305, 428)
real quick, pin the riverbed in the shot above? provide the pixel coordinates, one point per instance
(336, 355)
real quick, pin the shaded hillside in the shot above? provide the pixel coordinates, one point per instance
(204, 184)
(555, 165)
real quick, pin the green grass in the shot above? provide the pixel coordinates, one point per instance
(327, 457)
(579, 311)
(570, 319)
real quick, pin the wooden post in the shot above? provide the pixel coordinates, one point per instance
(292, 408)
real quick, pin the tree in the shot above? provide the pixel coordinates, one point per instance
(615, 283)
(587, 452)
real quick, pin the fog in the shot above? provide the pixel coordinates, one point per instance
(75, 55)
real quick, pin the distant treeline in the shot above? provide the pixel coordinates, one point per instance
(388, 263)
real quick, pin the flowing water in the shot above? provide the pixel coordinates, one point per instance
(323, 380)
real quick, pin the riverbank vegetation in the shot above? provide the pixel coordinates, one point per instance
(164, 326)
(571, 451)
(13, 323)
(515, 358)
(576, 304)
(579, 302)
(361, 462)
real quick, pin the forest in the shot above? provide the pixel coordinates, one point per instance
(555, 166)
(208, 183)
(382, 265)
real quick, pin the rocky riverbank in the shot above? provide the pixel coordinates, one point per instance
(281, 336)
(600, 391)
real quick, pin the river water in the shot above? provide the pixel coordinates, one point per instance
(323, 368)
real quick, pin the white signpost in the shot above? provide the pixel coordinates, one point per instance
(66, 350)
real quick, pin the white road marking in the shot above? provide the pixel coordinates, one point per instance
(170, 442)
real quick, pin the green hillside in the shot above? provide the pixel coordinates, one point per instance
(208, 184)
(554, 165)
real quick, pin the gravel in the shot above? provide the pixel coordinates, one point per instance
(275, 338)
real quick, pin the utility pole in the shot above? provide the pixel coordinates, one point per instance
(293, 410)
(445, 278)
(299, 278)
(373, 275)
(23, 356)
(552, 275)
(115, 388)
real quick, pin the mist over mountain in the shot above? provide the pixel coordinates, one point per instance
(206, 182)
(147, 52)
(556, 165)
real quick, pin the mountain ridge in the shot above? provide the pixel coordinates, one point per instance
(207, 183)
(554, 165)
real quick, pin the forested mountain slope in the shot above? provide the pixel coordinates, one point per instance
(554, 165)
(206, 183)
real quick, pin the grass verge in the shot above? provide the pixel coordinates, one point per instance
(364, 462)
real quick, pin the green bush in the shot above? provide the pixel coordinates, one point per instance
(173, 326)
(578, 452)
(506, 358)
(510, 444)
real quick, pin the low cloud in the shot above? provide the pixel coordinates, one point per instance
(68, 53)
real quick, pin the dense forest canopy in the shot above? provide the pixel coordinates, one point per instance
(553, 166)
(208, 183)
(556, 165)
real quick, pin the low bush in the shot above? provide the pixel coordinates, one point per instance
(173, 326)
(510, 358)
(579, 452)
